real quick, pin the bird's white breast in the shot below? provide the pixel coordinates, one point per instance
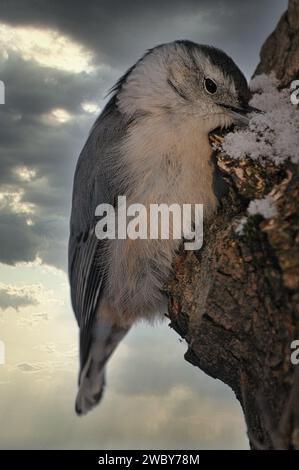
(164, 164)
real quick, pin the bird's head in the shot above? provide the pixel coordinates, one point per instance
(185, 81)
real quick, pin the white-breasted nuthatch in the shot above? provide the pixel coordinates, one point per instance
(150, 144)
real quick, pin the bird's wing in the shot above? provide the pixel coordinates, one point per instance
(86, 280)
(93, 185)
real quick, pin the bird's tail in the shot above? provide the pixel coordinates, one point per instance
(105, 338)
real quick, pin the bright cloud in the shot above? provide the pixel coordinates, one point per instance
(47, 47)
(16, 296)
(91, 108)
(25, 173)
(60, 115)
(12, 200)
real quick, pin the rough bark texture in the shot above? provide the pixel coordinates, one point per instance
(280, 53)
(236, 301)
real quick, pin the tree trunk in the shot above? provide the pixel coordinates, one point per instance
(236, 301)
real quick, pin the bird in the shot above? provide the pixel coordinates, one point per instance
(150, 143)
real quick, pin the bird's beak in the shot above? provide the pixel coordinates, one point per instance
(240, 114)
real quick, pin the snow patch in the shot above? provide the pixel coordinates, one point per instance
(265, 207)
(272, 134)
(240, 227)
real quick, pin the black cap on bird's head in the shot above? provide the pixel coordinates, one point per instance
(229, 69)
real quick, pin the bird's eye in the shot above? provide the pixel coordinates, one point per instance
(210, 86)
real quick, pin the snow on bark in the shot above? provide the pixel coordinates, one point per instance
(271, 135)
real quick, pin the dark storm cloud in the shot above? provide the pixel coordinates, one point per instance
(17, 242)
(119, 31)
(32, 89)
(20, 242)
(28, 137)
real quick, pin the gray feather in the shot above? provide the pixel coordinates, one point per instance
(93, 184)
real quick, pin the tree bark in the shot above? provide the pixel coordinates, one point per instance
(236, 301)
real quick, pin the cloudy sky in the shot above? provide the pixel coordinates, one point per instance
(58, 59)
